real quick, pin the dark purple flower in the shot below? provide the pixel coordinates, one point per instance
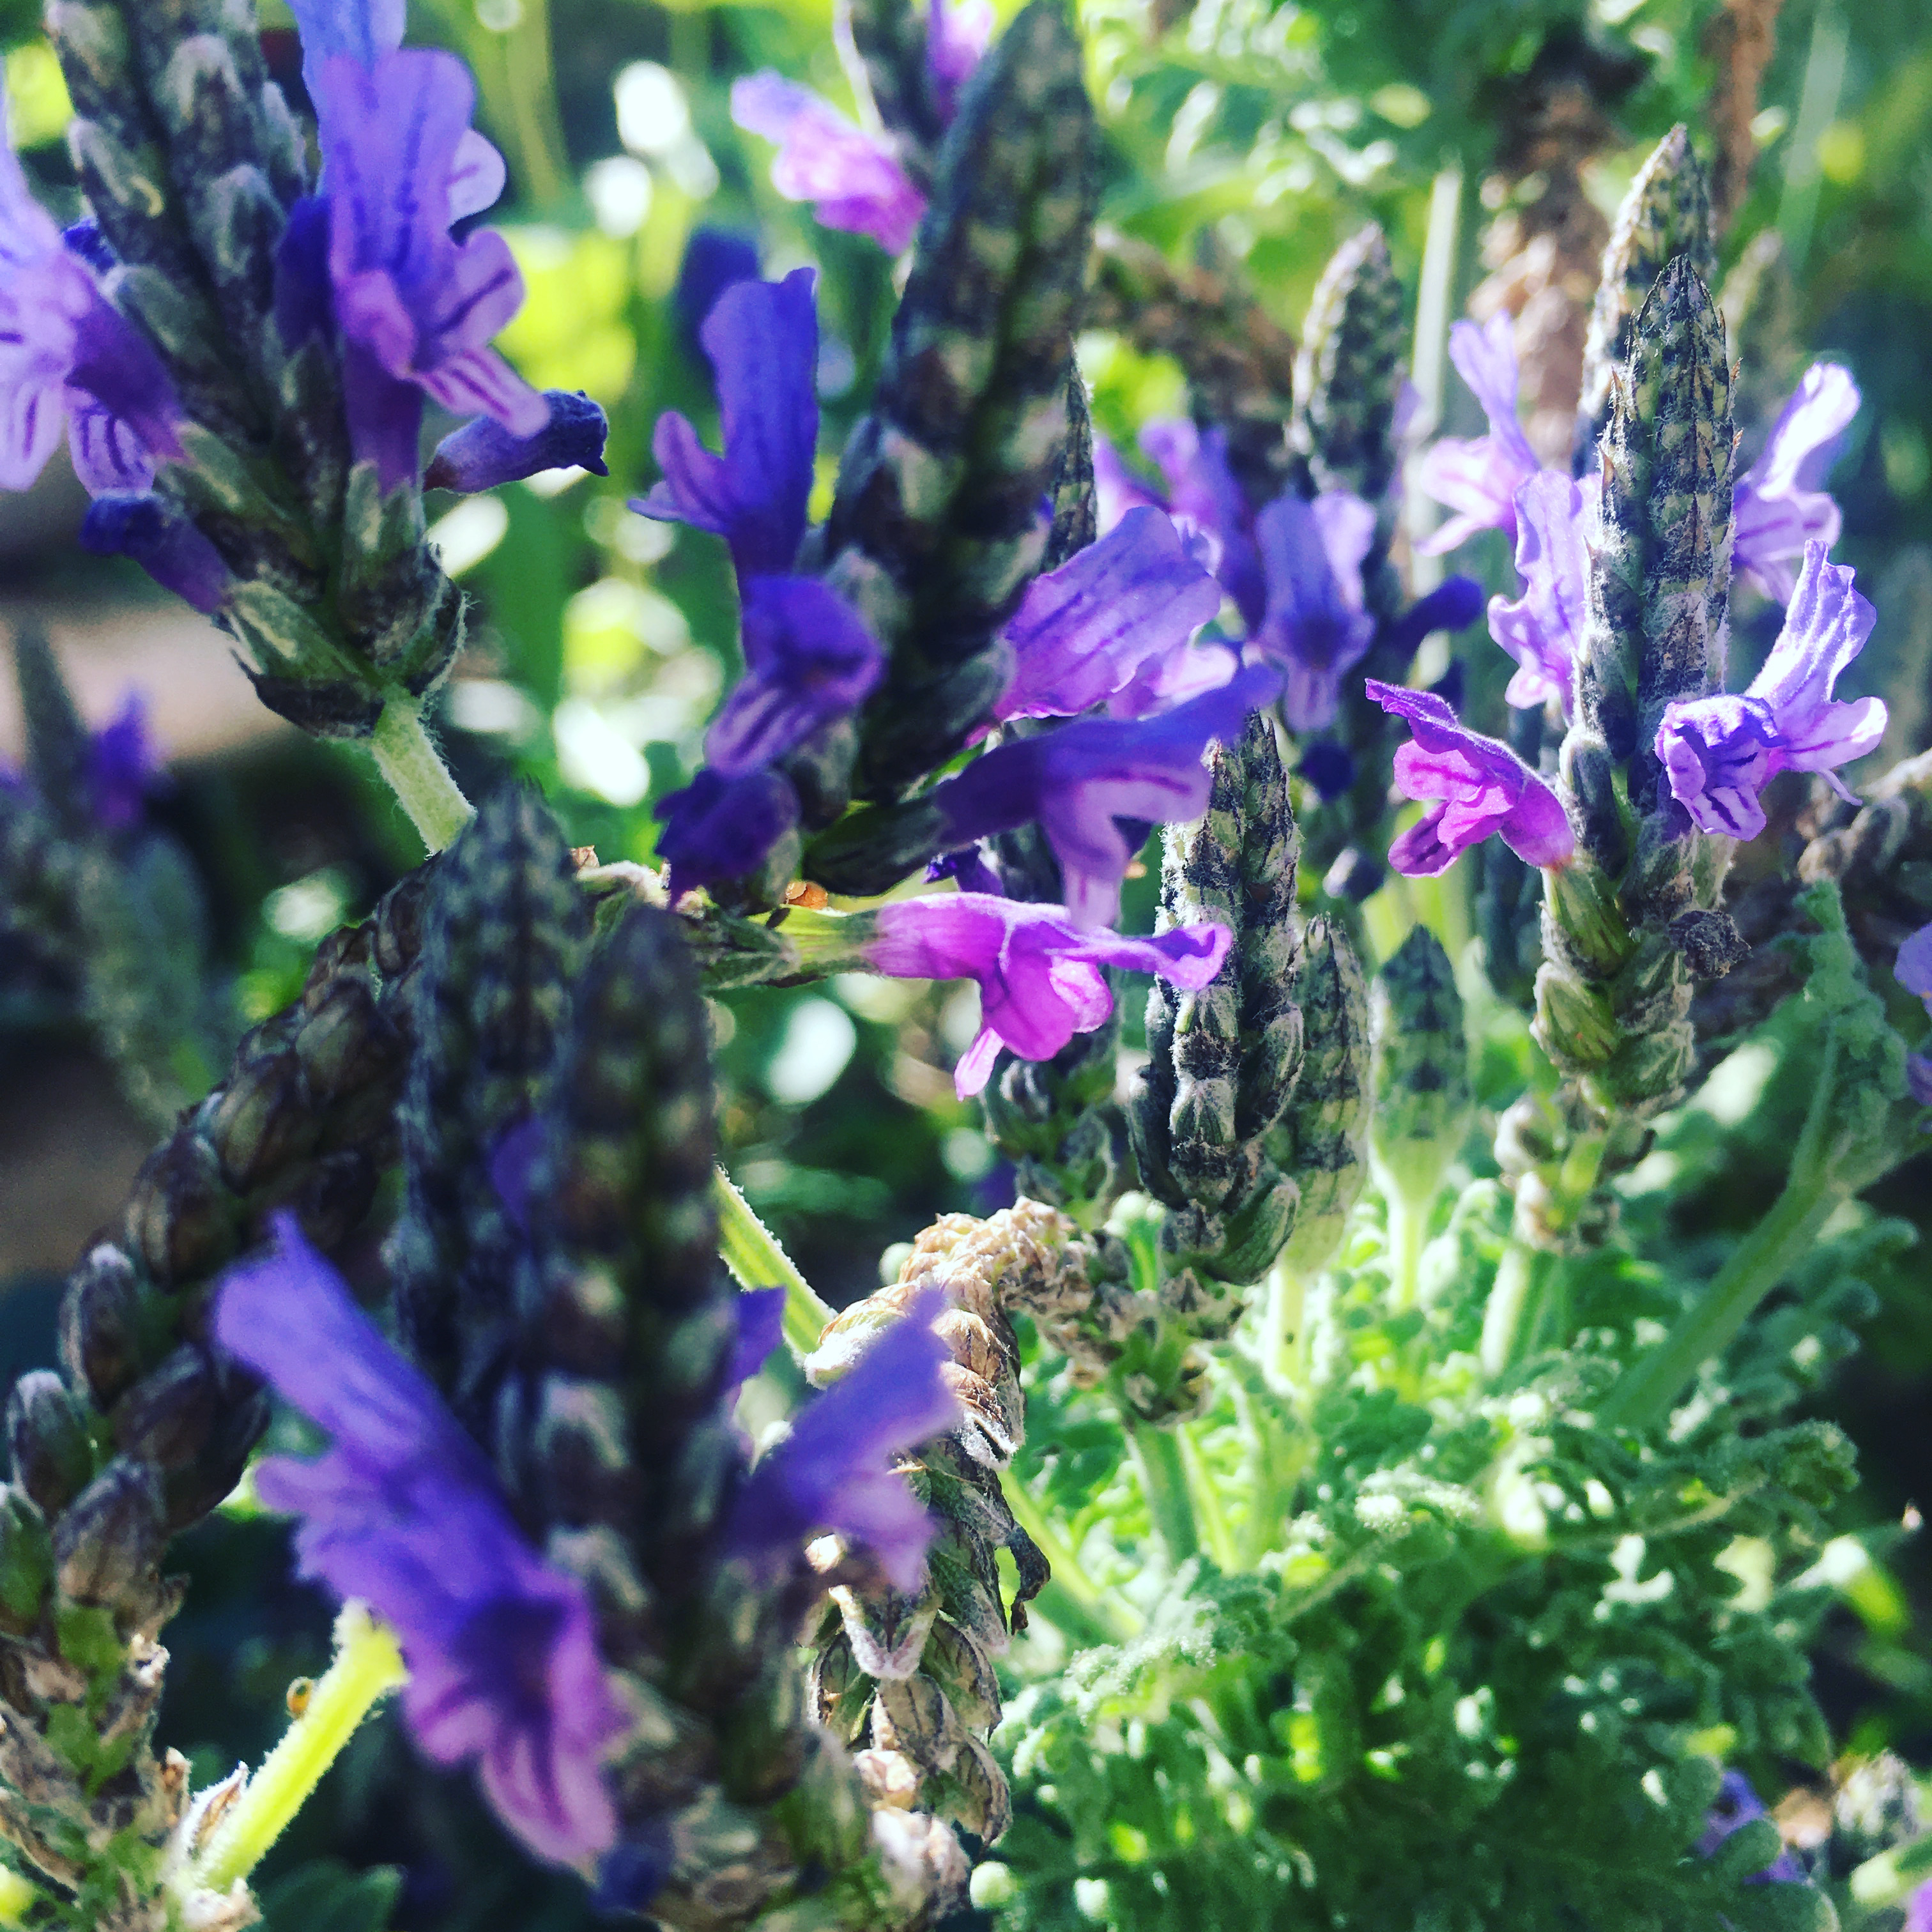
(1780, 505)
(851, 179)
(1719, 753)
(809, 659)
(1330, 767)
(763, 340)
(1542, 627)
(402, 1511)
(719, 828)
(834, 1470)
(122, 765)
(714, 259)
(1478, 477)
(1454, 605)
(1473, 785)
(1314, 627)
(162, 541)
(1738, 1805)
(970, 868)
(417, 308)
(1085, 780)
(1040, 975)
(483, 453)
(1105, 626)
(760, 1313)
(69, 360)
(1913, 967)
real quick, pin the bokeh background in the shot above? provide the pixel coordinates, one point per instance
(1241, 133)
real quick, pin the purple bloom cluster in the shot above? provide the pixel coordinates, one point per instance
(808, 658)
(1039, 976)
(1719, 753)
(1473, 786)
(402, 1511)
(854, 179)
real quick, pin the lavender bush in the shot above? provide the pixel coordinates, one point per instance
(1320, 1485)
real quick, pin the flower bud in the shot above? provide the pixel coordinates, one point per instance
(100, 1342)
(109, 1540)
(46, 1435)
(1422, 1103)
(1354, 356)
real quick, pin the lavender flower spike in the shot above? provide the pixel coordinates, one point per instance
(1719, 753)
(1087, 782)
(1779, 504)
(1084, 633)
(417, 309)
(834, 1471)
(1315, 627)
(1039, 975)
(69, 359)
(1542, 628)
(763, 340)
(1478, 476)
(404, 1512)
(1473, 785)
(850, 179)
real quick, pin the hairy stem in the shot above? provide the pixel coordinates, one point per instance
(1156, 1457)
(750, 1251)
(421, 780)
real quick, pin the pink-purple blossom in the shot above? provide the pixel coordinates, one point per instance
(1473, 786)
(1112, 626)
(1542, 627)
(1719, 753)
(1478, 477)
(1041, 976)
(1096, 785)
(417, 308)
(835, 1469)
(404, 1512)
(853, 179)
(1780, 505)
(1314, 627)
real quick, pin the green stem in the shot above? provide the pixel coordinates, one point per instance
(1502, 1315)
(750, 1251)
(419, 778)
(1156, 1457)
(368, 1666)
(1646, 1392)
(1408, 1223)
(532, 92)
(1207, 1510)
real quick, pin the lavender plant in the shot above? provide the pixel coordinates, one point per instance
(1328, 1491)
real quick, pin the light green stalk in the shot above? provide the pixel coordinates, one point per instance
(367, 1667)
(421, 780)
(750, 1251)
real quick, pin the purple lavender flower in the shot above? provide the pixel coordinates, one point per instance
(809, 659)
(1719, 753)
(162, 541)
(834, 1470)
(1039, 973)
(1208, 506)
(417, 309)
(1478, 476)
(763, 340)
(1314, 627)
(1780, 505)
(122, 764)
(1474, 786)
(852, 178)
(483, 454)
(69, 359)
(1542, 628)
(1102, 628)
(404, 1512)
(1913, 971)
(1737, 1806)
(714, 259)
(1087, 781)
(718, 828)
(760, 1313)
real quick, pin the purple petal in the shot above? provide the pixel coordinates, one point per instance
(122, 766)
(1825, 627)
(1913, 971)
(479, 380)
(1543, 628)
(477, 175)
(1479, 477)
(1919, 1085)
(761, 1313)
(1779, 506)
(1454, 605)
(1314, 627)
(1209, 504)
(1083, 633)
(718, 828)
(1118, 489)
(162, 541)
(304, 298)
(362, 30)
(385, 415)
(483, 454)
(809, 659)
(1717, 754)
(852, 180)
(957, 33)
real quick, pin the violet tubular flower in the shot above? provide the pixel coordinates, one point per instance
(1086, 781)
(852, 178)
(1542, 628)
(834, 1470)
(1314, 628)
(1478, 477)
(404, 1512)
(763, 340)
(483, 454)
(718, 828)
(1103, 627)
(1719, 753)
(1473, 786)
(1040, 975)
(417, 309)
(1780, 506)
